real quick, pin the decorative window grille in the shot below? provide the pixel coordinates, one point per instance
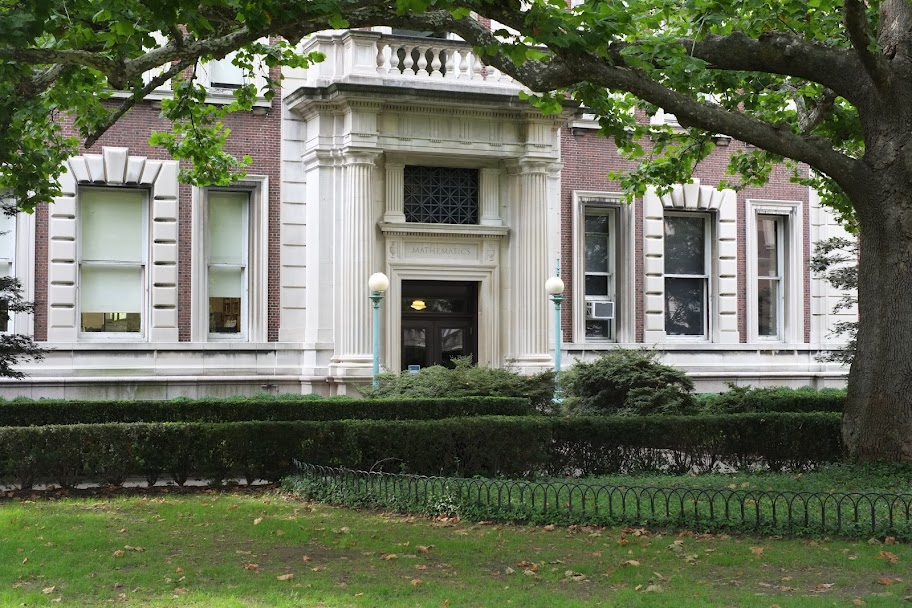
(441, 195)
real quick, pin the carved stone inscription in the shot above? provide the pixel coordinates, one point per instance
(423, 250)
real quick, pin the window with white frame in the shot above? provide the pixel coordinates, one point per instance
(770, 268)
(227, 261)
(112, 260)
(230, 262)
(687, 284)
(776, 278)
(599, 270)
(7, 260)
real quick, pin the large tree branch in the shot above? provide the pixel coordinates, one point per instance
(876, 66)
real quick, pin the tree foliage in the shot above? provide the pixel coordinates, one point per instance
(824, 86)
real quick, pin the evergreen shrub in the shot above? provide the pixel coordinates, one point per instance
(463, 380)
(630, 382)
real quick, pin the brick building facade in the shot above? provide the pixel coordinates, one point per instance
(406, 156)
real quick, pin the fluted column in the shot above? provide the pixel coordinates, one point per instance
(395, 193)
(353, 345)
(489, 197)
(529, 326)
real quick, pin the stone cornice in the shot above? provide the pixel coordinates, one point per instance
(443, 230)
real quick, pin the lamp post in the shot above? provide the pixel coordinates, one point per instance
(555, 288)
(377, 283)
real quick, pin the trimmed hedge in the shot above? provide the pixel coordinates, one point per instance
(740, 399)
(489, 446)
(39, 413)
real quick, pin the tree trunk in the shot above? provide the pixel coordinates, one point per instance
(877, 424)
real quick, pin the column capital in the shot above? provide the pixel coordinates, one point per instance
(531, 166)
(355, 156)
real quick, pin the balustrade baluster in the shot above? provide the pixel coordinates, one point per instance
(407, 62)
(435, 63)
(395, 70)
(383, 66)
(452, 64)
(422, 62)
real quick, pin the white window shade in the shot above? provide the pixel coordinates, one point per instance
(7, 237)
(112, 225)
(227, 227)
(225, 282)
(223, 73)
(110, 289)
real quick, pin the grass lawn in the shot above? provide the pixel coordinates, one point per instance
(264, 549)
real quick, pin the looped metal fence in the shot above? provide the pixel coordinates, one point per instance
(581, 502)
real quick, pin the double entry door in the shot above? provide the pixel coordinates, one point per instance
(439, 322)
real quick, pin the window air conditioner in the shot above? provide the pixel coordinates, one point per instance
(599, 310)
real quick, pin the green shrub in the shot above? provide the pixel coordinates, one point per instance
(627, 382)
(517, 446)
(742, 399)
(100, 412)
(464, 380)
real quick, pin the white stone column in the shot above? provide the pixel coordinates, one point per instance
(395, 193)
(529, 256)
(353, 314)
(489, 197)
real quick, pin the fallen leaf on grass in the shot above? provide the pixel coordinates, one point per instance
(509, 570)
(285, 577)
(416, 582)
(256, 522)
(305, 558)
(891, 557)
(25, 561)
(316, 569)
(179, 570)
(423, 549)
(630, 562)
(890, 540)
(821, 587)
(758, 551)
(420, 567)
(858, 602)
(48, 590)
(181, 590)
(388, 556)
(119, 553)
(548, 528)
(251, 566)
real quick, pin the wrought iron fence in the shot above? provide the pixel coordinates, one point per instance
(582, 502)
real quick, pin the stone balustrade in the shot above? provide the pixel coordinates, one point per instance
(373, 58)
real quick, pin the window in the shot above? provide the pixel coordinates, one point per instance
(230, 262)
(223, 74)
(770, 266)
(227, 262)
(686, 275)
(7, 256)
(112, 260)
(441, 195)
(599, 273)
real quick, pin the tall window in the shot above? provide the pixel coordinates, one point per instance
(770, 264)
(227, 261)
(599, 270)
(686, 275)
(7, 256)
(441, 195)
(112, 260)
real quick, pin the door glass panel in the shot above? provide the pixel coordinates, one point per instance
(414, 346)
(452, 344)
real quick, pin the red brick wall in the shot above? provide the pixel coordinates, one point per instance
(258, 136)
(589, 157)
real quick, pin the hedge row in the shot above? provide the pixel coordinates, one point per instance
(490, 446)
(776, 399)
(39, 413)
